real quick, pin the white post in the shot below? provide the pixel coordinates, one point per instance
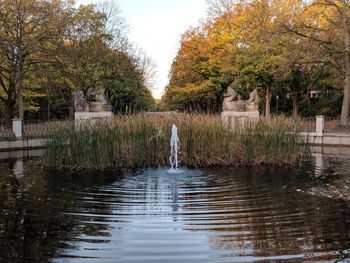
(319, 124)
(17, 127)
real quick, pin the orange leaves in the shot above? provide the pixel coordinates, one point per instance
(247, 43)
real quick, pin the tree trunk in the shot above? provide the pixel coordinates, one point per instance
(344, 117)
(218, 104)
(267, 102)
(9, 106)
(9, 112)
(295, 105)
(49, 102)
(20, 91)
(71, 108)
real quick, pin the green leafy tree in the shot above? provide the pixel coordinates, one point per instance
(29, 31)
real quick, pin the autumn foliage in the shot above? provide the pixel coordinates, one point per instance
(285, 49)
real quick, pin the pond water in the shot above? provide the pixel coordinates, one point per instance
(202, 215)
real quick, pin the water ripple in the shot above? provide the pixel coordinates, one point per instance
(217, 215)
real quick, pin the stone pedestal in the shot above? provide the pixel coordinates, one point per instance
(17, 127)
(237, 119)
(84, 115)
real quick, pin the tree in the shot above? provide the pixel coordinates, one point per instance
(83, 66)
(50, 49)
(237, 48)
(126, 88)
(29, 29)
(92, 60)
(196, 83)
(115, 25)
(245, 44)
(327, 24)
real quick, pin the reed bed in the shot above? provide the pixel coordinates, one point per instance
(144, 141)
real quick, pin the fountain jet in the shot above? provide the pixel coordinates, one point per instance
(174, 151)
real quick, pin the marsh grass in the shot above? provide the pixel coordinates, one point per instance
(143, 141)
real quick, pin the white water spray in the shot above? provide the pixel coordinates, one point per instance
(174, 152)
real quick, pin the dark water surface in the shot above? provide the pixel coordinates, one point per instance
(207, 215)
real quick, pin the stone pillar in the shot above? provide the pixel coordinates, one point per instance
(319, 124)
(17, 127)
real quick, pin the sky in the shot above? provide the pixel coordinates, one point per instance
(156, 27)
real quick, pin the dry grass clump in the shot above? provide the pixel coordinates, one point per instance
(144, 141)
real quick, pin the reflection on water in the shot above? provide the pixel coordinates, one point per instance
(208, 215)
(18, 170)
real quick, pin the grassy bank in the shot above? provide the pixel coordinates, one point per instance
(141, 141)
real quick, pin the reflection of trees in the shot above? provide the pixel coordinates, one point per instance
(257, 213)
(331, 177)
(33, 225)
(265, 214)
(50, 216)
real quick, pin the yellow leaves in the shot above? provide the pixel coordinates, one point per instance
(249, 43)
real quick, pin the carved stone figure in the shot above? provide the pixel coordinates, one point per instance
(232, 101)
(80, 103)
(237, 113)
(99, 103)
(252, 104)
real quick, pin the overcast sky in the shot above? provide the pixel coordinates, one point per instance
(156, 26)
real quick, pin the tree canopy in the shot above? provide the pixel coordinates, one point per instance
(285, 49)
(51, 48)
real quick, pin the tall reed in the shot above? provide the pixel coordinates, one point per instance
(143, 141)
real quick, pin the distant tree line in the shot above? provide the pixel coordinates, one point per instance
(50, 49)
(296, 53)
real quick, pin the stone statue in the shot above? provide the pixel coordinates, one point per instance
(99, 103)
(238, 113)
(80, 103)
(252, 104)
(232, 101)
